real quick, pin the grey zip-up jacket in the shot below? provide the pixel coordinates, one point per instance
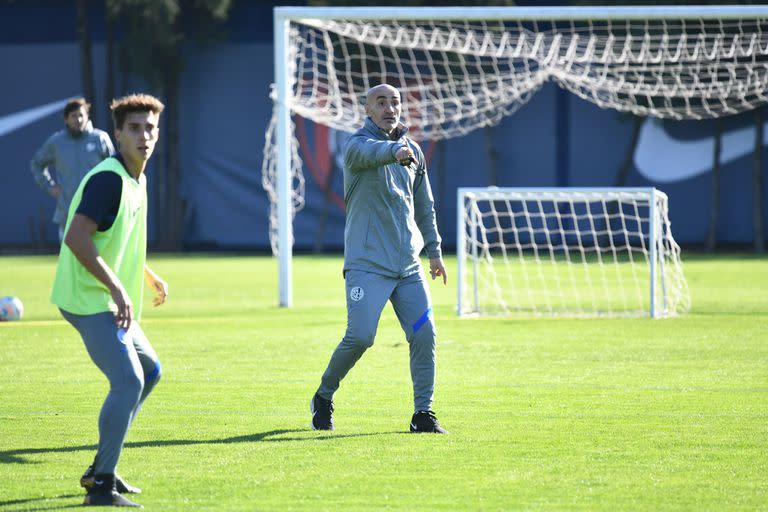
(72, 157)
(390, 208)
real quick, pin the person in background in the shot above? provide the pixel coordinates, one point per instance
(70, 152)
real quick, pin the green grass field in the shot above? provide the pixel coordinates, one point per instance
(568, 414)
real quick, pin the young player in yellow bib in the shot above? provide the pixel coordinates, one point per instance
(390, 218)
(99, 285)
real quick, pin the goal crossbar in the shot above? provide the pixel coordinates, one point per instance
(524, 13)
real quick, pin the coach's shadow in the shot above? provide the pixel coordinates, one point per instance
(271, 436)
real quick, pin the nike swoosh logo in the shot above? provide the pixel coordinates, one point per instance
(413, 426)
(13, 122)
(663, 159)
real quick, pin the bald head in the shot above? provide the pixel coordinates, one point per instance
(382, 104)
(381, 90)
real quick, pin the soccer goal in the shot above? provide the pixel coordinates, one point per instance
(463, 68)
(568, 252)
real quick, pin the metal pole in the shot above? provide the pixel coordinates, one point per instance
(652, 247)
(460, 248)
(284, 204)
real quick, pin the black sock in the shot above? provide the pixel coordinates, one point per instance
(103, 483)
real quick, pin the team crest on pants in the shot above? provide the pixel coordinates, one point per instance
(356, 293)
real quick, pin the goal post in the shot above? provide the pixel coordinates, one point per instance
(568, 252)
(464, 68)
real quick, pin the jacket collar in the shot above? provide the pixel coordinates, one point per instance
(373, 128)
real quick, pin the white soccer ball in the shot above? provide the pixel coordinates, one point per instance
(11, 309)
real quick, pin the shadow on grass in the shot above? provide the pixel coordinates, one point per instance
(30, 502)
(706, 312)
(271, 436)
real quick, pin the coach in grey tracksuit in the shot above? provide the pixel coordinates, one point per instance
(390, 218)
(73, 152)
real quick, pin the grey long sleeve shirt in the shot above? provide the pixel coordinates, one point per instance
(390, 208)
(72, 157)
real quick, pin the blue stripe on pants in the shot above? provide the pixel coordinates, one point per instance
(421, 321)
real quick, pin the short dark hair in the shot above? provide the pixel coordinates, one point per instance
(121, 107)
(75, 104)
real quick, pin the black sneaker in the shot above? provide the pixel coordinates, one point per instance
(121, 486)
(322, 413)
(426, 421)
(103, 494)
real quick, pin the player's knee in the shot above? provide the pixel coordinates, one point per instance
(133, 386)
(363, 342)
(426, 334)
(360, 338)
(153, 377)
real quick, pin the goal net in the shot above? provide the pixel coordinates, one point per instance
(568, 252)
(462, 68)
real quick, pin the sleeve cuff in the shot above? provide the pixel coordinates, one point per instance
(397, 146)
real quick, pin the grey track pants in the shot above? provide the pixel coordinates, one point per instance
(130, 363)
(367, 294)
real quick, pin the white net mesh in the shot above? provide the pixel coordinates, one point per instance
(456, 77)
(568, 252)
(269, 180)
